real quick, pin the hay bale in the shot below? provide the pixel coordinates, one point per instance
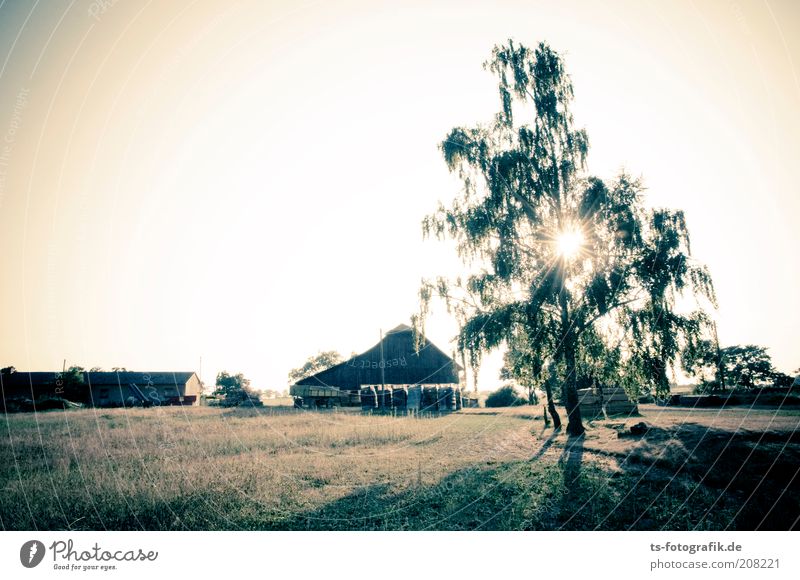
(469, 402)
(430, 399)
(414, 398)
(385, 398)
(369, 398)
(400, 399)
(447, 399)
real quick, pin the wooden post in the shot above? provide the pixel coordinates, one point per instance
(382, 364)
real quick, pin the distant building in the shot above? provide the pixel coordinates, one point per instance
(393, 361)
(107, 389)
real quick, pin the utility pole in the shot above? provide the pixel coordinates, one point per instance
(382, 364)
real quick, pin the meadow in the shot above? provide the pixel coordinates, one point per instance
(276, 468)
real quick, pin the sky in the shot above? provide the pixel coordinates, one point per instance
(242, 183)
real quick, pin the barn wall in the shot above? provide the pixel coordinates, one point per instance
(112, 395)
(108, 388)
(165, 394)
(192, 386)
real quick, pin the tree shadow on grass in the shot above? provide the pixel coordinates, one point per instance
(545, 446)
(571, 459)
(682, 478)
(707, 478)
(679, 478)
(489, 495)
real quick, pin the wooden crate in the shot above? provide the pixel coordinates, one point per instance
(414, 398)
(369, 399)
(447, 399)
(400, 399)
(430, 399)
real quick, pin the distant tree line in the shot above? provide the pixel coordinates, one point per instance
(747, 366)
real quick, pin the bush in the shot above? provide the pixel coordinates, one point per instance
(241, 398)
(235, 391)
(16, 405)
(25, 405)
(707, 387)
(505, 397)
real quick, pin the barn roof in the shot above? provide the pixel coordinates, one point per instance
(37, 382)
(402, 365)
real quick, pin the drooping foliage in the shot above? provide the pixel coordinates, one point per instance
(578, 266)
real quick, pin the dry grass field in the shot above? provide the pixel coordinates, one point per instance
(279, 468)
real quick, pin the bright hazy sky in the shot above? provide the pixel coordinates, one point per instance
(244, 181)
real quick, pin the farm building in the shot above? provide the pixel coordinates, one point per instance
(393, 362)
(107, 389)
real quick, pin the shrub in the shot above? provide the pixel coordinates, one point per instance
(241, 398)
(505, 397)
(235, 391)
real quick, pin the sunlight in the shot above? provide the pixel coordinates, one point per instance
(569, 243)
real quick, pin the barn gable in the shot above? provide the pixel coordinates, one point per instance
(393, 361)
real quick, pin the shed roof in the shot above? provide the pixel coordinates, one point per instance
(22, 382)
(400, 364)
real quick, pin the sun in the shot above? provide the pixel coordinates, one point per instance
(569, 243)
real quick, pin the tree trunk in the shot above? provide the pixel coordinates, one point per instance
(551, 406)
(574, 422)
(570, 387)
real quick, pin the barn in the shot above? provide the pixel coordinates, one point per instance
(394, 361)
(107, 389)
